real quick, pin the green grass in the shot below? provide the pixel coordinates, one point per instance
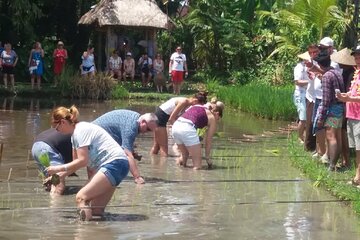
(261, 100)
(334, 182)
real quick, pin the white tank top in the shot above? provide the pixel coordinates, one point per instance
(169, 106)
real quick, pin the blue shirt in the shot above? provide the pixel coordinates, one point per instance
(122, 125)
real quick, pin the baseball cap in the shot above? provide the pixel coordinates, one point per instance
(327, 42)
(128, 54)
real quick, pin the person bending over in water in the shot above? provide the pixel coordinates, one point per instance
(185, 134)
(169, 112)
(106, 161)
(124, 125)
(55, 147)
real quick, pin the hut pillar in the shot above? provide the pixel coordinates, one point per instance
(99, 51)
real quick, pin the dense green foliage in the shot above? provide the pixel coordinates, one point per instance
(231, 38)
(225, 36)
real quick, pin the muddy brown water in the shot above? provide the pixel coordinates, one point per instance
(252, 193)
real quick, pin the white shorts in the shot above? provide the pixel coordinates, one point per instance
(185, 133)
(353, 133)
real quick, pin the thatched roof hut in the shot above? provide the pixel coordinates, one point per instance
(117, 18)
(135, 13)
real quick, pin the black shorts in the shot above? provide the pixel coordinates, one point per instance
(6, 69)
(162, 117)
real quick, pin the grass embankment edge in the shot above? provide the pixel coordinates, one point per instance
(334, 182)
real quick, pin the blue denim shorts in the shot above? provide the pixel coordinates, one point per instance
(116, 171)
(40, 148)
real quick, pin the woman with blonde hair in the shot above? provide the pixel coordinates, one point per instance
(94, 148)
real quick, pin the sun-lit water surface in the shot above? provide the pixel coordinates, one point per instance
(251, 194)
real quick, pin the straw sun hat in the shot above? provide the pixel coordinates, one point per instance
(343, 57)
(305, 56)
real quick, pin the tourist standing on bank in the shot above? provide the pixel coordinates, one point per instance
(330, 112)
(60, 55)
(159, 78)
(95, 149)
(301, 81)
(310, 139)
(8, 61)
(36, 65)
(87, 66)
(177, 66)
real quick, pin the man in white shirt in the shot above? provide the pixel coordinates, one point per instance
(310, 140)
(177, 66)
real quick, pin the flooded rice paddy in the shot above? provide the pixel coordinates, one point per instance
(252, 193)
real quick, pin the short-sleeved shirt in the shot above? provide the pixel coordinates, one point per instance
(102, 147)
(353, 108)
(8, 58)
(331, 80)
(179, 60)
(300, 74)
(57, 141)
(115, 63)
(122, 125)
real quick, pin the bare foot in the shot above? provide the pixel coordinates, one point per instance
(179, 161)
(85, 214)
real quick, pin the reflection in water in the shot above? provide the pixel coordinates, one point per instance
(296, 224)
(250, 194)
(33, 120)
(8, 104)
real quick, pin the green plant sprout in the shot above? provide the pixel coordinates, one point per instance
(45, 161)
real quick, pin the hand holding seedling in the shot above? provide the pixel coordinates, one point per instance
(45, 161)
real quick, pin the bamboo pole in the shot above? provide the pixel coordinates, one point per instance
(1, 150)
(9, 176)
(28, 159)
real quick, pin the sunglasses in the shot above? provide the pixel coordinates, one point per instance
(57, 125)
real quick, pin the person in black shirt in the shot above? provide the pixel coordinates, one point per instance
(51, 147)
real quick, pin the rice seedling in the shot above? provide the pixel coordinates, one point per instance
(45, 161)
(261, 100)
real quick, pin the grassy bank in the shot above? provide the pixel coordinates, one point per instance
(261, 100)
(334, 182)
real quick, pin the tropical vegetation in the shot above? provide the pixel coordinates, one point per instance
(230, 42)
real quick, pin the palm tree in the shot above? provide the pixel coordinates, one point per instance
(305, 22)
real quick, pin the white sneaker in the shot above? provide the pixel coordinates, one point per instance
(324, 159)
(315, 155)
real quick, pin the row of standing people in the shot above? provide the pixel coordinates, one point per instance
(106, 145)
(116, 67)
(324, 80)
(9, 60)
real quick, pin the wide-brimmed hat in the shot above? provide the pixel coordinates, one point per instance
(356, 50)
(304, 56)
(343, 57)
